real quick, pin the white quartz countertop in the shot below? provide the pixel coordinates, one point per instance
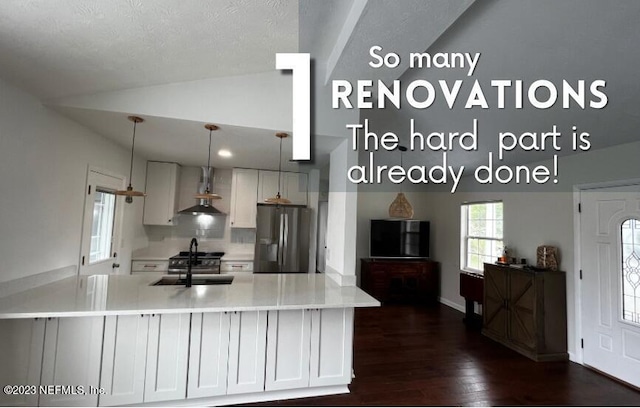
(101, 295)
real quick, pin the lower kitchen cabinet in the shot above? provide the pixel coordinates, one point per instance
(247, 352)
(71, 357)
(331, 347)
(208, 354)
(145, 358)
(21, 360)
(124, 358)
(167, 357)
(288, 340)
(309, 348)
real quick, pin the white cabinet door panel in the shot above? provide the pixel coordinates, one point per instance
(21, 342)
(72, 354)
(244, 195)
(268, 185)
(295, 187)
(247, 352)
(160, 204)
(209, 354)
(288, 343)
(331, 347)
(167, 357)
(124, 359)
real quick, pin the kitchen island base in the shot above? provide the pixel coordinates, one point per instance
(298, 344)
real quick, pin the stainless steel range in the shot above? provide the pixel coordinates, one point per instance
(202, 263)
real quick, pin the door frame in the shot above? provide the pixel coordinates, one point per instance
(119, 216)
(578, 356)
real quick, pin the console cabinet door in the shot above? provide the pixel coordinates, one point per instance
(331, 347)
(208, 354)
(21, 342)
(167, 357)
(124, 356)
(522, 309)
(495, 313)
(247, 352)
(71, 357)
(288, 337)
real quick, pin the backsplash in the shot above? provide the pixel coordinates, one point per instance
(213, 232)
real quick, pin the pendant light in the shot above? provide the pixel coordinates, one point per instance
(208, 195)
(130, 192)
(278, 199)
(400, 207)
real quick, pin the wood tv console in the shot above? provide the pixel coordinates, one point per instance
(401, 280)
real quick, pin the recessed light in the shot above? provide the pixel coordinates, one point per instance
(224, 153)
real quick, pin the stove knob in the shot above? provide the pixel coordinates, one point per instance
(206, 263)
(181, 262)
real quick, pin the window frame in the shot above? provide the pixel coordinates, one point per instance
(464, 228)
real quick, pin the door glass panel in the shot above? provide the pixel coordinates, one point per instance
(631, 270)
(104, 213)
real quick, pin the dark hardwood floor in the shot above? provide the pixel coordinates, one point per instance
(424, 355)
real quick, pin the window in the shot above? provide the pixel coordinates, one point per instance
(481, 225)
(631, 270)
(104, 211)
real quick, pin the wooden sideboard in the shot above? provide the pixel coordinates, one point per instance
(401, 280)
(526, 311)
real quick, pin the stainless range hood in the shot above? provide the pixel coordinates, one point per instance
(203, 206)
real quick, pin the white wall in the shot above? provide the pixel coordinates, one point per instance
(44, 159)
(531, 218)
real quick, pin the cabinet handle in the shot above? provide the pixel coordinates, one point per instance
(151, 266)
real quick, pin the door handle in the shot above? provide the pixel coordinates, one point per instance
(115, 265)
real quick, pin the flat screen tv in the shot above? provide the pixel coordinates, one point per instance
(399, 239)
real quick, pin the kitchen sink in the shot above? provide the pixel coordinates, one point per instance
(175, 281)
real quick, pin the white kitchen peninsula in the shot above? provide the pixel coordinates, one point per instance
(262, 337)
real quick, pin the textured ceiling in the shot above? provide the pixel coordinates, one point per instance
(55, 48)
(186, 142)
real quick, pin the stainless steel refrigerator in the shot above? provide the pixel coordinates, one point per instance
(282, 239)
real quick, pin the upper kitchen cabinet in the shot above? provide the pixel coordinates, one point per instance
(161, 202)
(293, 186)
(244, 195)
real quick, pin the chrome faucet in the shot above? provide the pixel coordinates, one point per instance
(195, 260)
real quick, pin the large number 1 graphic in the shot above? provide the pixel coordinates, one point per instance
(299, 63)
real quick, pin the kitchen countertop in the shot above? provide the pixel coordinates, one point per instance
(101, 295)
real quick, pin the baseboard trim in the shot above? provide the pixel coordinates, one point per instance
(453, 305)
(252, 397)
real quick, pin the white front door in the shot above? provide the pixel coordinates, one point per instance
(610, 263)
(102, 224)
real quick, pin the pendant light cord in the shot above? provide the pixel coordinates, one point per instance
(133, 143)
(209, 163)
(280, 168)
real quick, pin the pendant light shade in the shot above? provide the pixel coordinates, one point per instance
(208, 195)
(401, 207)
(129, 193)
(278, 199)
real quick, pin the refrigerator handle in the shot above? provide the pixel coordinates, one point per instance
(281, 240)
(285, 248)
